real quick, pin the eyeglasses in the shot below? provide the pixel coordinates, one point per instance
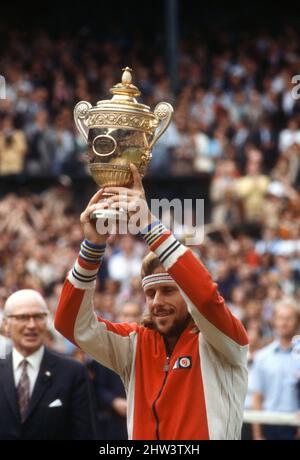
(23, 319)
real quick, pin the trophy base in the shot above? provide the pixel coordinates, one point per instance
(109, 214)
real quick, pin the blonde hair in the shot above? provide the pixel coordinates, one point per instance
(149, 264)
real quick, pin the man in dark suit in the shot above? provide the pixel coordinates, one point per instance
(42, 395)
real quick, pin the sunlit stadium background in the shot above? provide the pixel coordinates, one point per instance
(234, 142)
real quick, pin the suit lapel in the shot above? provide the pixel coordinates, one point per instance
(9, 385)
(43, 381)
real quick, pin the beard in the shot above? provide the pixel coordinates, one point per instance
(177, 327)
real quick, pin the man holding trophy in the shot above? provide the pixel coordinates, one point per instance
(184, 369)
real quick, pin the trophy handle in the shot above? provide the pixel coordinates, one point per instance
(81, 111)
(163, 111)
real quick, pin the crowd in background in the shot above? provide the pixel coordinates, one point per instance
(236, 118)
(232, 95)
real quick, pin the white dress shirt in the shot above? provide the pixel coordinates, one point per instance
(33, 366)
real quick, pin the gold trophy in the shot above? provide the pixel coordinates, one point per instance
(120, 131)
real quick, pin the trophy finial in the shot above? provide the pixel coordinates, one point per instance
(126, 77)
(126, 89)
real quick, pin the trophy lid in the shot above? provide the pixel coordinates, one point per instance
(126, 88)
(122, 111)
(124, 94)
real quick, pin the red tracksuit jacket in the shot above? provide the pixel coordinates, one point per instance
(199, 393)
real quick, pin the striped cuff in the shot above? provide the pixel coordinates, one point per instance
(84, 273)
(163, 243)
(91, 253)
(153, 232)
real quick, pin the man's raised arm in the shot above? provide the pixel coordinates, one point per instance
(108, 343)
(208, 309)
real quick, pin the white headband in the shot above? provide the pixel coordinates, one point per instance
(157, 278)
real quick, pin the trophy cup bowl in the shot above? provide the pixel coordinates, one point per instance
(120, 131)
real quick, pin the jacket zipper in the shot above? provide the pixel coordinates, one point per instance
(166, 370)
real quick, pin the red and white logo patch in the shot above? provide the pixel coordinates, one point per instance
(183, 362)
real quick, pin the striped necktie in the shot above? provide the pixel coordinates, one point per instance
(23, 390)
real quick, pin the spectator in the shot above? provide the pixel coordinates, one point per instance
(64, 145)
(13, 147)
(126, 263)
(40, 145)
(276, 373)
(222, 193)
(46, 396)
(255, 343)
(251, 190)
(289, 135)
